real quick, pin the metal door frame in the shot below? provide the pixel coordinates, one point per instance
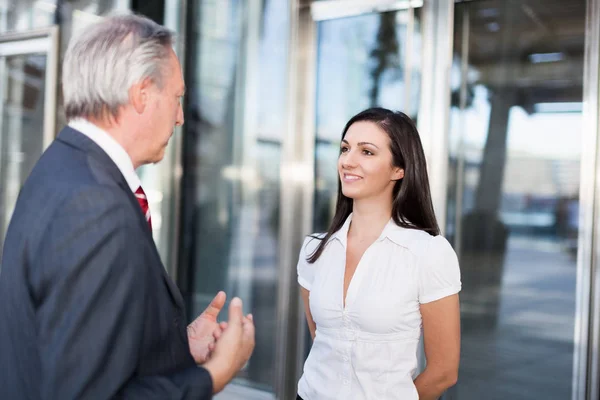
(586, 357)
(39, 41)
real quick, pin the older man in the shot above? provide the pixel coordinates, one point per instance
(86, 308)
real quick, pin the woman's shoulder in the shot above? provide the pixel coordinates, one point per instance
(437, 251)
(419, 241)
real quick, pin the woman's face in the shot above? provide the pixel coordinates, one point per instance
(365, 164)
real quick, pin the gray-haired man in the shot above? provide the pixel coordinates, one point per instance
(86, 309)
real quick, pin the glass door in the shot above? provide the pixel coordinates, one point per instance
(236, 55)
(515, 150)
(27, 113)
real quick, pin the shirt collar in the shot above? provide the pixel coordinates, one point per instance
(397, 234)
(111, 147)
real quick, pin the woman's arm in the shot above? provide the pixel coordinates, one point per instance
(441, 331)
(311, 324)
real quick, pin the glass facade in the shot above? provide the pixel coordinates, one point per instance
(235, 116)
(513, 194)
(267, 76)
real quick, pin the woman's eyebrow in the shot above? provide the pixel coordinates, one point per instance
(369, 143)
(361, 143)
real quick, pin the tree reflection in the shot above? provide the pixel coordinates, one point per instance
(385, 55)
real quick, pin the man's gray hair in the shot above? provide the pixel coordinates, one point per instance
(103, 62)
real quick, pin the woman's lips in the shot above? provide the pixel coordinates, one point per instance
(350, 178)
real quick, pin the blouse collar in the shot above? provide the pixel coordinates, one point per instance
(397, 234)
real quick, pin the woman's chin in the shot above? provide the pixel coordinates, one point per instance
(351, 194)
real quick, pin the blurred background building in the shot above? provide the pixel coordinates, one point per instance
(505, 94)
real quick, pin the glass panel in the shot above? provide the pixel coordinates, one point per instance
(22, 85)
(235, 114)
(362, 62)
(515, 149)
(23, 15)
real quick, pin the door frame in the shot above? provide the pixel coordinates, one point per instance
(334, 9)
(39, 41)
(586, 359)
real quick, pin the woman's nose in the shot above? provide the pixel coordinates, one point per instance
(348, 160)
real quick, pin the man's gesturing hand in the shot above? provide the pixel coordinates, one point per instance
(203, 331)
(234, 347)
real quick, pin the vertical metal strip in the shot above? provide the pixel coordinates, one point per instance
(409, 57)
(172, 266)
(296, 190)
(587, 307)
(460, 151)
(587, 322)
(50, 97)
(434, 109)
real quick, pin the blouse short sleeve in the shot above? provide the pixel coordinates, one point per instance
(439, 273)
(306, 271)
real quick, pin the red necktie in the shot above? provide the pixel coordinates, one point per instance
(141, 198)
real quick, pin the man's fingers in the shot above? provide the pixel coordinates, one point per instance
(248, 324)
(215, 305)
(235, 311)
(217, 333)
(223, 325)
(248, 332)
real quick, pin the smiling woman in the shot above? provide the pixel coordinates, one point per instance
(380, 273)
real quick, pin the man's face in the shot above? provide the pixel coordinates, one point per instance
(164, 110)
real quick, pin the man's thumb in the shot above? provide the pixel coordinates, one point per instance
(235, 311)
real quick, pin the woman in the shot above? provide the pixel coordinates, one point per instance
(380, 274)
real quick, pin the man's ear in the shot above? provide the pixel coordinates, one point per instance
(139, 95)
(398, 174)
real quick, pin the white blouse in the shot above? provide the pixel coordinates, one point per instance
(368, 350)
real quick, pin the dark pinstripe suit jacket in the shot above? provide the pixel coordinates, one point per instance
(86, 308)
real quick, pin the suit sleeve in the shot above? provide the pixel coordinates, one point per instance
(92, 309)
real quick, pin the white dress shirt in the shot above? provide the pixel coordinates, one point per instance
(111, 147)
(368, 350)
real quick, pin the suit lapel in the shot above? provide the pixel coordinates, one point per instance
(99, 160)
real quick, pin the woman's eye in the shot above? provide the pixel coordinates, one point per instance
(343, 150)
(367, 152)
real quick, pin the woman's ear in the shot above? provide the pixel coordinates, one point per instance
(398, 174)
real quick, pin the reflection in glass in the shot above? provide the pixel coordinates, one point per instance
(513, 190)
(235, 112)
(365, 61)
(22, 84)
(23, 15)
